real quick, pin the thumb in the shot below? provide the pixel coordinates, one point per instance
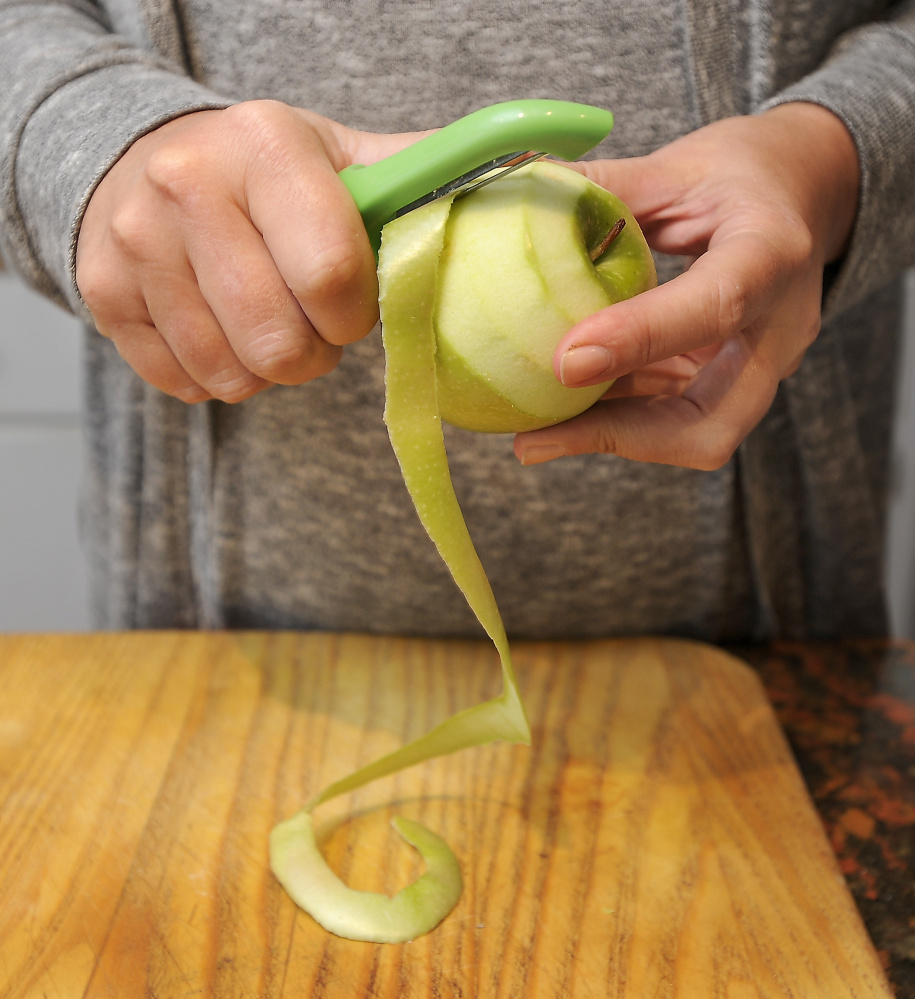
(632, 180)
(371, 146)
(345, 146)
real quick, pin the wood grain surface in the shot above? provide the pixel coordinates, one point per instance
(656, 840)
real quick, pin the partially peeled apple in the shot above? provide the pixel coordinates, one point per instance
(521, 261)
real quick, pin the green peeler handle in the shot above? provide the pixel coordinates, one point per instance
(557, 128)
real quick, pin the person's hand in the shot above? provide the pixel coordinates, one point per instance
(222, 254)
(760, 204)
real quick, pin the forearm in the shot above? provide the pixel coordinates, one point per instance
(869, 84)
(818, 156)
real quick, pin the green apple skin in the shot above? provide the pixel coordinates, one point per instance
(514, 277)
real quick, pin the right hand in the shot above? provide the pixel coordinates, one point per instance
(222, 254)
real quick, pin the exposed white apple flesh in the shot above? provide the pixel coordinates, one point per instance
(515, 275)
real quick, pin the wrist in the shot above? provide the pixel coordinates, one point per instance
(829, 172)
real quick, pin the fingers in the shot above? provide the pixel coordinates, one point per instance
(698, 360)
(699, 428)
(668, 377)
(142, 347)
(314, 233)
(760, 203)
(223, 254)
(266, 334)
(724, 291)
(203, 316)
(694, 409)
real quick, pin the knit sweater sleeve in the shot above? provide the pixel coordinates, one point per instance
(73, 96)
(869, 82)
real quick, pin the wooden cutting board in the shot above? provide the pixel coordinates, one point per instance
(656, 840)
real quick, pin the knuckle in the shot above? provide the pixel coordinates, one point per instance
(638, 341)
(730, 309)
(132, 231)
(93, 279)
(267, 126)
(293, 361)
(233, 385)
(796, 244)
(809, 334)
(333, 273)
(257, 115)
(604, 441)
(811, 330)
(213, 365)
(276, 356)
(173, 380)
(644, 344)
(716, 451)
(191, 394)
(143, 350)
(177, 173)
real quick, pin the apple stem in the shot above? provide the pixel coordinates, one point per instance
(617, 228)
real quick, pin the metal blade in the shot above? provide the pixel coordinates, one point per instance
(484, 174)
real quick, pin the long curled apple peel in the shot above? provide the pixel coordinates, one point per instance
(408, 265)
(366, 915)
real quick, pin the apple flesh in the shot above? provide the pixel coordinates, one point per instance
(515, 275)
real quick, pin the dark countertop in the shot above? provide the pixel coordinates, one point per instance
(848, 710)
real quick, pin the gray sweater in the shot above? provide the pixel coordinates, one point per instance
(288, 510)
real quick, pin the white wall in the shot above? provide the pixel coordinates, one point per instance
(42, 572)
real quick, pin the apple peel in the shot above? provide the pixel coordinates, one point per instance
(565, 230)
(408, 265)
(362, 915)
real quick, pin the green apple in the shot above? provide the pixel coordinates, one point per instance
(521, 264)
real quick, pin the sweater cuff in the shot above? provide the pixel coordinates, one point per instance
(869, 83)
(70, 142)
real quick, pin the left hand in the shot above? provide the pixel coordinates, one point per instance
(761, 204)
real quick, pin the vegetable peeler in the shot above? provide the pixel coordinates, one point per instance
(470, 152)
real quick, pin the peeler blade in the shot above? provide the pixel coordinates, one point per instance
(479, 177)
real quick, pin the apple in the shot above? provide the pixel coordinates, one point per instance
(522, 262)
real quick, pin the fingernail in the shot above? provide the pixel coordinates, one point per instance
(581, 364)
(536, 454)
